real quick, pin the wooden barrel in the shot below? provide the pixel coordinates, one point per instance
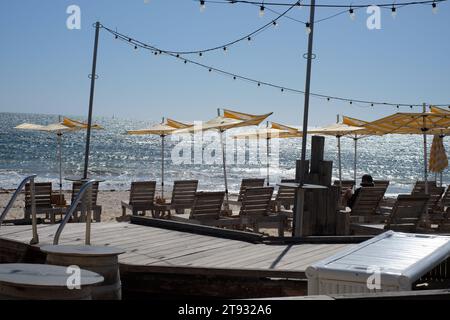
(22, 281)
(102, 260)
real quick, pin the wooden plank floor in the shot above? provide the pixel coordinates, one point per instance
(153, 248)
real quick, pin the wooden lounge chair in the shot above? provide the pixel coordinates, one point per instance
(346, 184)
(381, 183)
(97, 209)
(406, 216)
(444, 222)
(207, 206)
(43, 198)
(142, 197)
(254, 213)
(285, 197)
(183, 196)
(366, 204)
(419, 186)
(249, 183)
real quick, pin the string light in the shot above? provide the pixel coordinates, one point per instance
(151, 48)
(352, 13)
(200, 54)
(393, 11)
(249, 39)
(202, 5)
(308, 28)
(275, 24)
(261, 10)
(434, 7)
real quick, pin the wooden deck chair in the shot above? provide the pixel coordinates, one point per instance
(249, 183)
(433, 212)
(444, 222)
(43, 198)
(183, 196)
(285, 197)
(346, 184)
(419, 186)
(366, 204)
(406, 216)
(255, 210)
(142, 197)
(207, 206)
(381, 183)
(96, 209)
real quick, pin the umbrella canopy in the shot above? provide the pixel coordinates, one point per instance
(414, 123)
(161, 129)
(438, 156)
(275, 130)
(65, 125)
(229, 120)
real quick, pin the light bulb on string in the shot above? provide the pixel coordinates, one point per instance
(275, 24)
(308, 28)
(351, 11)
(224, 49)
(434, 7)
(202, 5)
(261, 10)
(200, 54)
(393, 11)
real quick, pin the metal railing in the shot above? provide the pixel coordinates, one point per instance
(35, 239)
(86, 208)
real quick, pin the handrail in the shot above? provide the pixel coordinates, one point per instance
(85, 187)
(8, 207)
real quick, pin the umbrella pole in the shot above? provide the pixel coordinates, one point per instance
(60, 164)
(425, 162)
(224, 169)
(339, 159)
(355, 139)
(268, 163)
(162, 165)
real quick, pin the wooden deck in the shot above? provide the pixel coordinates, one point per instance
(152, 251)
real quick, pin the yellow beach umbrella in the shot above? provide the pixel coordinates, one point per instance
(162, 129)
(438, 156)
(65, 125)
(275, 130)
(413, 123)
(229, 120)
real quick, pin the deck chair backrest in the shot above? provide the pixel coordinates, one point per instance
(183, 194)
(419, 186)
(142, 192)
(435, 194)
(368, 200)
(407, 213)
(381, 183)
(249, 183)
(256, 201)
(207, 205)
(445, 201)
(286, 194)
(76, 186)
(42, 195)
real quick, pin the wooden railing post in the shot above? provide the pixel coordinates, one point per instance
(35, 239)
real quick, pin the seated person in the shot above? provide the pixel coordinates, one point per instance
(349, 198)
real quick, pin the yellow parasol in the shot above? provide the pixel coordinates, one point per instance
(275, 130)
(64, 125)
(414, 123)
(162, 129)
(229, 120)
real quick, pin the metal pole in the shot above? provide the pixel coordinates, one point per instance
(162, 165)
(91, 101)
(88, 215)
(425, 160)
(339, 159)
(355, 139)
(35, 239)
(298, 213)
(224, 169)
(268, 162)
(59, 134)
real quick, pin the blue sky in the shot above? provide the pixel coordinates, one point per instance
(44, 66)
